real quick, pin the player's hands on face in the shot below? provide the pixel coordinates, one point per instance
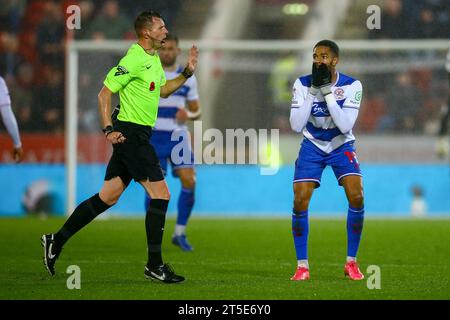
(116, 137)
(18, 154)
(315, 81)
(181, 116)
(193, 58)
(325, 74)
(321, 79)
(321, 75)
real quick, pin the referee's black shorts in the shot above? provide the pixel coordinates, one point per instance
(135, 158)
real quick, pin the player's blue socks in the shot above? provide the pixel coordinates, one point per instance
(185, 205)
(355, 222)
(300, 230)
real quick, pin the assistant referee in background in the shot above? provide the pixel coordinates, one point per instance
(140, 81)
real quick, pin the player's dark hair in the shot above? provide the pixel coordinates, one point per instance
(172, 37)
(329, 44)
(145, 19)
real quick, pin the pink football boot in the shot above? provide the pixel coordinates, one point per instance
(301, 273)
(352, 271)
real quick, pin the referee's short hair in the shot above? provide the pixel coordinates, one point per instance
(330, 44)
(145, 20)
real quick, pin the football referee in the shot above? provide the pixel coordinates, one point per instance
(442, 144)
(140, 81)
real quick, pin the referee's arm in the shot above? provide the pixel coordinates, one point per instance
(104, 106)
(172, 85)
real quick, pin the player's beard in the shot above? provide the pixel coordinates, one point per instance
(168, 63)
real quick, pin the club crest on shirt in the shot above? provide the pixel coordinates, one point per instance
(339, 94)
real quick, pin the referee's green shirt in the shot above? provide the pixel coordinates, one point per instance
(138, 79)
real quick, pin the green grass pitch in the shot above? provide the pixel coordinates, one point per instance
(237, 259)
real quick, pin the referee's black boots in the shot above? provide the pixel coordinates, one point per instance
(163, 273)
(51, 252)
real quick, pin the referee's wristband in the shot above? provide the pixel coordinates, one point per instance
(107, 130)
(187, 73)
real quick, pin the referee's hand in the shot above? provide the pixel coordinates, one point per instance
(116, 137)
(192, 58)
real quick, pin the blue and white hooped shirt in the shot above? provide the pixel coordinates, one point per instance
(320, 128)
(168, 107)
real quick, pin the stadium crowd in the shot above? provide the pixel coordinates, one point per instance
(406, 101)
(33, 34)
(32, 38)
(399, 99)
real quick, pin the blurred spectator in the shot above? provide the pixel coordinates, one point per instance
(414, 19)
(372, 111)
(87, 8)
(110, 23)
(433, 19)
(22, 97)
(9, 58)
(50, 100)
(281, 80)
(32, 32)
(11, 12)
(403, 103)
(426, 26)
(50, 35)
(394, 23)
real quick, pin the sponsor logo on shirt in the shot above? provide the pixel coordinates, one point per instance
(121, 71)
(318, 110)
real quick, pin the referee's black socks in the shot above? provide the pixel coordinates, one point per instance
(83, 214)
(154, 226)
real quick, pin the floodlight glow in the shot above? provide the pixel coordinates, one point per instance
(294, 9)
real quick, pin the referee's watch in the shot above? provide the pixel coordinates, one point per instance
(187, 73)
(108, 129)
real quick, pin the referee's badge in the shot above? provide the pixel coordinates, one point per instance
(339, 94)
